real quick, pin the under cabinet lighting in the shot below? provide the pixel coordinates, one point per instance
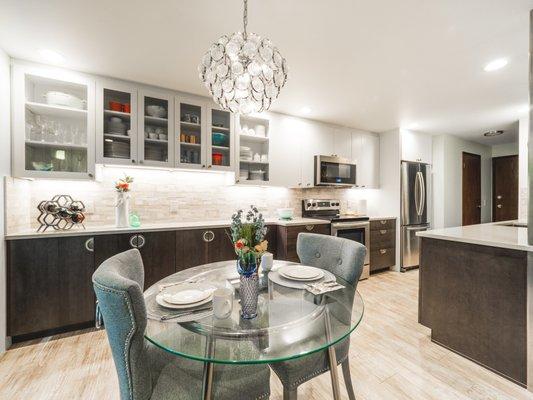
(51, 57)
(495, 65)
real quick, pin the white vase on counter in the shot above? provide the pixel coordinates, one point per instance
(122, 210)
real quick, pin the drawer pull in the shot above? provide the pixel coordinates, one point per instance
(209, 236)
(383, 221)
(383, 251)
(309, 227)
(89, 245)
(137, 241)
(383, 231)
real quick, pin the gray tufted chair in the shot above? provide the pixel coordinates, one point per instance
(344, 258)
(145, 371)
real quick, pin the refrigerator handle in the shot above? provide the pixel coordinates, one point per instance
(417, 228)
(417, 194)
(422, 193)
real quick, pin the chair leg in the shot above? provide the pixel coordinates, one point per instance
(290, 394)
(348, 379)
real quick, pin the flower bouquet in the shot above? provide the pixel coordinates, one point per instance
(248, 238)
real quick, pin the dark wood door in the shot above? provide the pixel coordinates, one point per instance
(505, 188)
(471, 189)
(158, 251)
(49, 285)
(220, 247)
(191, 248)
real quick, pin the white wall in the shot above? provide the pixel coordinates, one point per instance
(505, 149)
(389, 197)
(5, 170)
(523, 184)
(447, 179)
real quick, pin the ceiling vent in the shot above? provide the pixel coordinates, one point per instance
(493, 133)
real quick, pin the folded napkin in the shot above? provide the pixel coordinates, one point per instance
(323, 287)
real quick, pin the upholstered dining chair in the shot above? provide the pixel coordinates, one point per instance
(145, 371)
(344, 258)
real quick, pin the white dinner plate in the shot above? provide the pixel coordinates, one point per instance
(301, 273)
(185, 295)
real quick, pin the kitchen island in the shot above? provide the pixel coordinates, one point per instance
(476, 295)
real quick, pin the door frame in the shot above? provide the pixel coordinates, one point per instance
(478, 156)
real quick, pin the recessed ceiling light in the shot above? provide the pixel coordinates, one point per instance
(493, 133)
(495, 65)
(305, 110)
(51, 56)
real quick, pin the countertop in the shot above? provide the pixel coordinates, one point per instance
(104, 229)
(495, 234)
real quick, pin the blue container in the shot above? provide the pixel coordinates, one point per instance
(220, 139)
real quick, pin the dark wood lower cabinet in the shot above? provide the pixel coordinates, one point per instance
(158, 251)
(287, 237)
(49, 286)
(382, 244)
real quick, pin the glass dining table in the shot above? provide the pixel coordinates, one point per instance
(291, 322)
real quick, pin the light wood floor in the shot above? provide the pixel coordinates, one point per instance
(391, 357)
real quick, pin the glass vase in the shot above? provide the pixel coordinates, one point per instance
(249, 288)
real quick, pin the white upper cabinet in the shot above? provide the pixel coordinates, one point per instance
(252, 148)
(416, 146)
(191, 133)
(368, 160)
(285, 151)
(156, 128)
(53, 123)
(221, 146)
(116, 123)
(342, 141)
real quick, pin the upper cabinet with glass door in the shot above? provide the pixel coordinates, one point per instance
(116, 123)
(190, 134)
(53, 123)
(156, 129)
(221, 149)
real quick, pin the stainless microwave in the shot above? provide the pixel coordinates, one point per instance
(334, 171)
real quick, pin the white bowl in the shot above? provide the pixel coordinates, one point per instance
(163, 136)
(153, 135)
(156, 111)
(285, 213)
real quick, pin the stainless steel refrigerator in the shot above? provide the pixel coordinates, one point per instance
(415, 192)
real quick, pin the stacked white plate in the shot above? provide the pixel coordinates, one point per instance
(246, 153)
(185, 295)
(301, 273)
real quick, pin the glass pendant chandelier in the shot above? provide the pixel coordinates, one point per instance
(243, 72)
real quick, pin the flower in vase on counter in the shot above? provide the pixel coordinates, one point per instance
(248, 238)
(123, 185)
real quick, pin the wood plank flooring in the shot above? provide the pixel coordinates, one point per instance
(391, 357)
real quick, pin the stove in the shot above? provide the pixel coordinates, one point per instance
(348, 226)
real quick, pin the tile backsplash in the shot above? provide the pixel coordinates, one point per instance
(160, 196)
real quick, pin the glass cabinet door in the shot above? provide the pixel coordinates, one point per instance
(190, 134)
(53, 125)
(116, 124)
(221, 140)
(156, 127)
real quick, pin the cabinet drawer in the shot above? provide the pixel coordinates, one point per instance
(288, 236)
(382, 258)
(382, 238)
(382, 224)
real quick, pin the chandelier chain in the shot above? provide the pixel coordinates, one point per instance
(245, 18)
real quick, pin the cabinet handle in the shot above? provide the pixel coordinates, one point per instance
(382, 251)
(141, 162)
(383, 222)
(203, 166)
(90, 175)
(89, 245)
(383, 231)
(134, 241)
(133, 161)
(299, 183)
(141, 241)
(309, 227)
(308, 184)
(208, 236)
(209, 166)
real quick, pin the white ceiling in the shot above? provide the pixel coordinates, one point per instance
(373, 65)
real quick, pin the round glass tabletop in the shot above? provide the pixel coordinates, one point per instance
(290, 323)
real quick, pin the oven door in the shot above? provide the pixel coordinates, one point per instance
(334, 171)
(357, 231)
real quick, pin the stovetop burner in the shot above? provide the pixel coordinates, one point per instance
(328, 210)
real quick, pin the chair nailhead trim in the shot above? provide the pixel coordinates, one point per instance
(295, 385)
(130, 333)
